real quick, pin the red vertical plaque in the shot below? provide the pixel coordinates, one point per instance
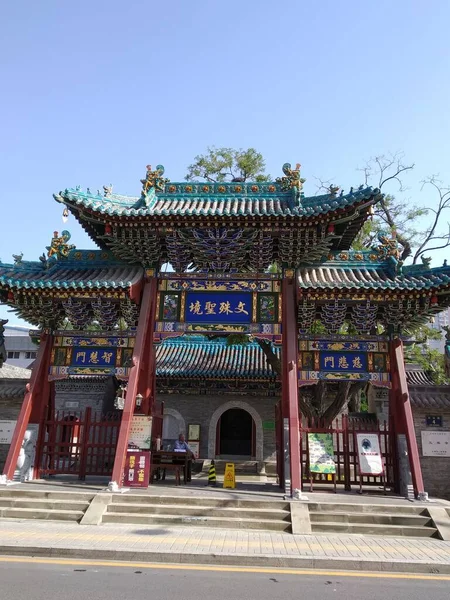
(137, 469)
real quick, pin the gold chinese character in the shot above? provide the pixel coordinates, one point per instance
(329, 360)
(132, 461)
(106, 356)
(141, 473)
(225, 308)
(93, 358)
(210, 308)
(80, 356)
(195, 308)
(241, 308)
(343, 364)
(357, 364)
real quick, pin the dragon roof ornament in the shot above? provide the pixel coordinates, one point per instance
(154, 180)
(292, 179)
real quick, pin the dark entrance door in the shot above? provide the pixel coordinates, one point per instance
(236, 427)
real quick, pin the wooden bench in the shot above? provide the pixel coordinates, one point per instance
(173, 461)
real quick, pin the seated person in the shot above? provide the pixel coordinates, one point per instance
(182, 446)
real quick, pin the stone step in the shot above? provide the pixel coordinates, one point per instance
(45, 514)
(37, 503)
(404, 509)
(374, 529)
(200, 511)
(212, 502)
(370, 518)
(197, 521)
(15, 492)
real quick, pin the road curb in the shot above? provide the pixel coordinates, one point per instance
(231, 560)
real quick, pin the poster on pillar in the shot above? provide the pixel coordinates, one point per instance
(369, 454)
(140, 432)
(321, 453)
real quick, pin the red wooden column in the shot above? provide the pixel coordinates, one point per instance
(145, 328)
(147, 380)
(402, 413)
(35, 402)
(289, 380)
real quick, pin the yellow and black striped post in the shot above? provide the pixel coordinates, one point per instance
(212, 474)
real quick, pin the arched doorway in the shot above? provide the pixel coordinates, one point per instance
(235, 434)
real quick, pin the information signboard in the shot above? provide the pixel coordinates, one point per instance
(369, 454)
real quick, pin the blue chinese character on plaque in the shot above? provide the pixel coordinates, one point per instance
(343, 361)
(94, 357)
(204, 307)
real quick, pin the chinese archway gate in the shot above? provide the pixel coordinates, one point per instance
(221, 239)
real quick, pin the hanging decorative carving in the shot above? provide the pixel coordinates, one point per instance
(78, 313)
(333, 316)
(306, 315)
(364, 317)
(105, 312)
(129, 311)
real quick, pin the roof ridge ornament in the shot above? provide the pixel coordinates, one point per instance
(154, 180)
(59, 248)
(292, 179)
(388, 250)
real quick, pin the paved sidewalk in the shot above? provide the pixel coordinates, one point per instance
(215, 546)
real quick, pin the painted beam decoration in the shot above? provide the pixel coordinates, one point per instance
(85, 353)
(343, 360)
(200, 305)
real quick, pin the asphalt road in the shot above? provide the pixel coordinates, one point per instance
(46, 580)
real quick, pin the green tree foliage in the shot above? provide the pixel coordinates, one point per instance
(228, 164)
(395, 212)
(431, 360)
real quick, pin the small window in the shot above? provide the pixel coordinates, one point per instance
(13, 354)
(30, 354)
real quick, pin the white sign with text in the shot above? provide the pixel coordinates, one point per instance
(435, 443)
(370, 459)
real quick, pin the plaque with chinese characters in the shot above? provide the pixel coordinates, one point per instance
(97, 355)
(223, 307)
(137, 469)
(343, 360)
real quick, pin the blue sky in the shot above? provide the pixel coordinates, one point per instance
(92, 91)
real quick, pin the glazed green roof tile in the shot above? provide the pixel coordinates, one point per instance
(83, 269)
(195, 356)
(371, 275)
(269, 200)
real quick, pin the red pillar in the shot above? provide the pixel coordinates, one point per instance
(402, 412)
(35, 402)
(147, 380)
(289, 379)
(145, 329)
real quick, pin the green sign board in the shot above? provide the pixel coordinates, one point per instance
(321, 453)
(269, 425)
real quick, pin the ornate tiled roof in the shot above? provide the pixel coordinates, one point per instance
(415, 375)
(218, 199)
(81, 270)
(368, 273)
(200, 358)
(13, 372)
(13, 381)
(423, 392)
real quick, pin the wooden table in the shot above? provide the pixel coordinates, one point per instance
(173, 461)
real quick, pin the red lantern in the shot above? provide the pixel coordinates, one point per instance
(108, 229)
(330, 228)
(434, 300)
(10, 296)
